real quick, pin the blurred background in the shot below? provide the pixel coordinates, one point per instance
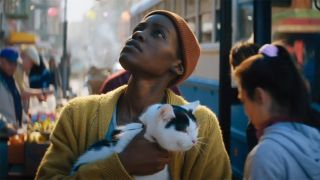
(90, 34)
(80, 40)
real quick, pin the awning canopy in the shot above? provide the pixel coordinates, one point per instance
(297, 21)
(21, 38)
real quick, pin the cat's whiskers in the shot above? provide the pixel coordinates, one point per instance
(200, 144)
(198, 148)
(199, 141)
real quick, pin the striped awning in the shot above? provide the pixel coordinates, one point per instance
(298, 21)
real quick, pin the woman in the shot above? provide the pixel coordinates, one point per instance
(276, 100)
(30, 58)
(161, 53)
(39, 76)
(238, 53)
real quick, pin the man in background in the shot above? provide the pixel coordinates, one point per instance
(11, 107)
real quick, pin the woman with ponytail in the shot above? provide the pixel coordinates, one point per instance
(277, 101)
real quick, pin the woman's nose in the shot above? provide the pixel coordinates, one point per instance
(138, 35)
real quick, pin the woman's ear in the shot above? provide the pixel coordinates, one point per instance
(177, 68)
(261, 96)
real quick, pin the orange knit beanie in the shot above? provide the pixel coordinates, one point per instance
(189, 45)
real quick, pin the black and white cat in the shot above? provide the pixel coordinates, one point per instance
(173, 127)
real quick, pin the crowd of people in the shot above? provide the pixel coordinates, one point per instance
(283, 132)
(23, 75)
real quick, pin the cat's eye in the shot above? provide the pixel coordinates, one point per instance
(184, 130)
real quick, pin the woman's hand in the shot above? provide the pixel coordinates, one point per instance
(142, 157)
(9, 130)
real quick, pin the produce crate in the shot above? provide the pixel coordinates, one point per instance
(33, 156)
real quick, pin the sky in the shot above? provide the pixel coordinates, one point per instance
(76, 10)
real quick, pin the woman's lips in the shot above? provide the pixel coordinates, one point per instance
(135, 44)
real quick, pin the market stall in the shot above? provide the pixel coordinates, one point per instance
(26, 149)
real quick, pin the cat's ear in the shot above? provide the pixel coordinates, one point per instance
(166, 112)
(192, 106)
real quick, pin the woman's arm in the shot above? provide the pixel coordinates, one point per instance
(63, 151)
(27, 93)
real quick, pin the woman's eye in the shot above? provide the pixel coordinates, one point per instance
(160, 34)
(138, 28)
(135, 29)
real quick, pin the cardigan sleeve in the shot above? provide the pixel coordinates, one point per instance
(210, 160)
(63, 150)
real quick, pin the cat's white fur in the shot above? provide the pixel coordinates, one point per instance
(167, 138)
(155, 119)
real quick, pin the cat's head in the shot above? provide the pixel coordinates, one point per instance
(174, 127)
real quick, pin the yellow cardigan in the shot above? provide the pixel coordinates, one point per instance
(85, 120)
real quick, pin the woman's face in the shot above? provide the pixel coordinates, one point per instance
(152, 49)
(8, 67)
(27, 62)
(254, 110)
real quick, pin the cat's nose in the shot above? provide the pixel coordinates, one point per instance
(193, 141)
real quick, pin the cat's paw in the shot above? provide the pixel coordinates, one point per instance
(125, 138)
(132, 126)
(149, 137)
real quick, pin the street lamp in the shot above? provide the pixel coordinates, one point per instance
(65, 62)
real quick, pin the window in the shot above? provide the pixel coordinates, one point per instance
(217, 24)
(244, 20)
(53, 25)
(191, 15)
(190, 8)
(167, 5)
(206, 21)
(16, 9)
(178, 7)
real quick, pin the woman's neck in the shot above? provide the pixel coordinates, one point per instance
(273, 120)
(143, 94)
(137, 97)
